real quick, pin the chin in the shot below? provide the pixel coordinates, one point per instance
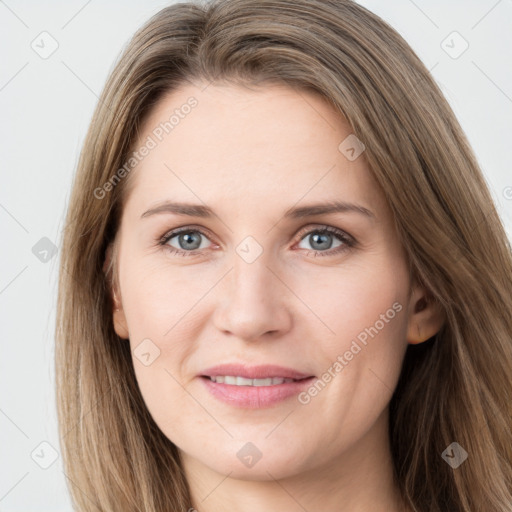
(265, 469)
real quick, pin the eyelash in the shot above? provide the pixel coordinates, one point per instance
(348, 241)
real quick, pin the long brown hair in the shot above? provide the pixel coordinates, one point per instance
(456, 387)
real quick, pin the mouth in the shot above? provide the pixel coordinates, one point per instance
(237, 380)
(254, 387)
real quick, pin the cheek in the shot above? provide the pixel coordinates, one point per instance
(353, 298)
(363, 309)
(161, 305)
(159, 299)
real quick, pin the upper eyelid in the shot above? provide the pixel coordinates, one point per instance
(320, 227)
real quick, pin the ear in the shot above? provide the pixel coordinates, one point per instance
(118, 316)
(426, 317)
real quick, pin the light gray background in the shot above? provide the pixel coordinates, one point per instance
(46, 105)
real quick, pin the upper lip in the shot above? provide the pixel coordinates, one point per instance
(254, 372)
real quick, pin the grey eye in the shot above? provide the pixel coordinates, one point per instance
(187, 240)
(320, 241)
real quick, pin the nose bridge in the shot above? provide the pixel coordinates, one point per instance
(252, 284)
(252, 281)
(252, 302)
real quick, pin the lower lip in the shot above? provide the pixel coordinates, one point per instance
(255, 397)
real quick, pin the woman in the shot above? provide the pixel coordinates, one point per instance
(284, 284)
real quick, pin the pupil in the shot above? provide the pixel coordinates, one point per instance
(321, 236)
(189, 240)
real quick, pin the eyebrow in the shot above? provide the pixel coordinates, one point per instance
(326, 208)
(198, 210)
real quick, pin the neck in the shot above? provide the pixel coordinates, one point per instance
(357, 480)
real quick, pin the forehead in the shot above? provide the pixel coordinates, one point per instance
(243, 148)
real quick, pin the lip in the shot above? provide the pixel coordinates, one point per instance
(254, 397)
(254, 372)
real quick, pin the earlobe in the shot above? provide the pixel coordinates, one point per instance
(120, 326)
(426, 317)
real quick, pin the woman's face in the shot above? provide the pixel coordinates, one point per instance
(255, 283)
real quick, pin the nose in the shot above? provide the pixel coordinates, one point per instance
(252, 301)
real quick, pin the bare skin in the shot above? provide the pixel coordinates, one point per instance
(251, 155)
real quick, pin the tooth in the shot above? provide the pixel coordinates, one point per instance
(242, 381)
(263, 382)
